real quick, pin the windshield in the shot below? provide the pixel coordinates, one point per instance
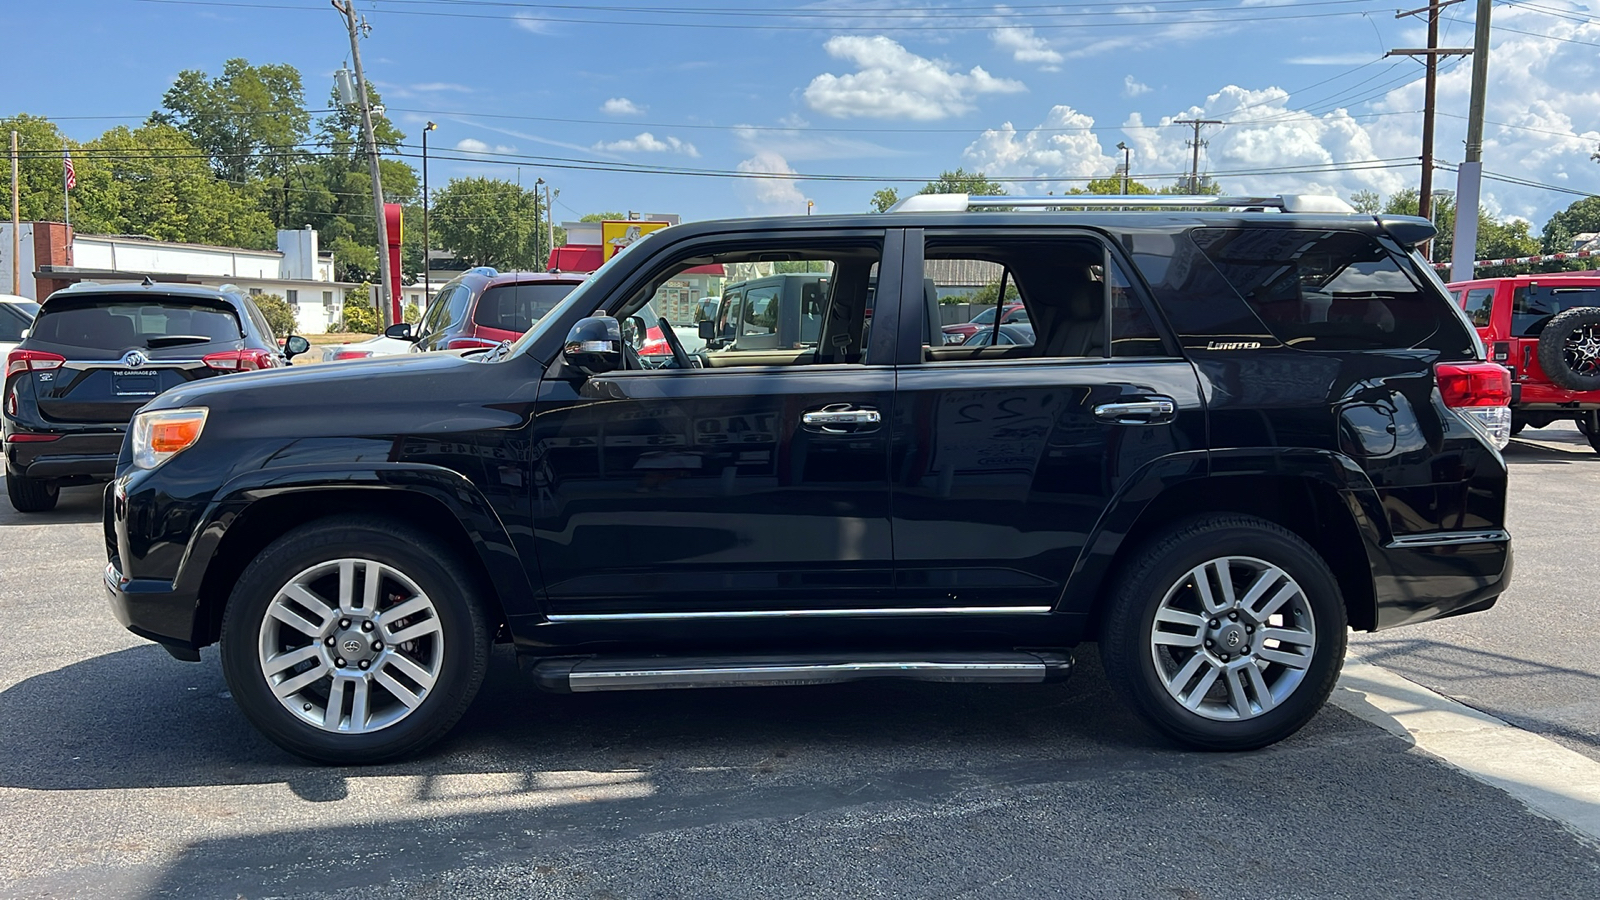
(576, 298)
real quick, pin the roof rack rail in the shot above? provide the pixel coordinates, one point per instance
(1290, 203)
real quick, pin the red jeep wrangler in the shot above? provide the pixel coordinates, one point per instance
(1546, 329)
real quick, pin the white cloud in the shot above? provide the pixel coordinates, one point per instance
(1026, 47)
(1131, 87)
(894, 83)
(794, 141)
(1332, 59)
(530, 24)
(621, 106)
(772, 196)
(441, 87)
(1540, 127)
(473, 145)
(649, 143)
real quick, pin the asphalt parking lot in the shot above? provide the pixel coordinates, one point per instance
(128, 774)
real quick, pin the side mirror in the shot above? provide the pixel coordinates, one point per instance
(708, 330)
(400, 331)
(634, 331)
(294, 345)
(594, 345)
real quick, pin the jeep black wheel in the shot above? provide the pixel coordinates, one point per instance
(31, 494)
(1589, 424)
(1227, 633)
(1569, 349)
(354, 640)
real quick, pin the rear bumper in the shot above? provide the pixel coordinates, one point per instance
(86, 456)
(1440, 574)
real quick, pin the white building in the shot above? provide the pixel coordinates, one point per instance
(297, 271)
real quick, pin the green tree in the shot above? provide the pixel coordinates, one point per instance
(990, 293)
(1497, 238)
(961, 181)
(488, 222)
(39, 143)
(885, 198)
(359, 315)
(247, 118)
(1113, 185)
(603, 217)
(1367, 202)
(147, 181)
(279, 314)
(1582, 217)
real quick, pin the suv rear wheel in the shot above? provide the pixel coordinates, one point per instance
(1227, 633)
(31, 494)
(354, 640)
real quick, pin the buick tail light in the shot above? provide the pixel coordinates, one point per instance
(469, 343)
(32, 361)
(240, 360)
(655, 347)
(1481, 394)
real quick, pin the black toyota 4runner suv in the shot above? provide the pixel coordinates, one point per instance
(1238, 433)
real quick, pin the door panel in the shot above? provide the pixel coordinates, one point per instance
(703, 490)
(1003, 469)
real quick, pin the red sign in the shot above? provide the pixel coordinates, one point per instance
(392, 231)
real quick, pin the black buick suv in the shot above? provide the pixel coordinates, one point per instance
(1237, 433)
(98, 352)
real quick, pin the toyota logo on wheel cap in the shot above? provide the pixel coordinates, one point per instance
(352, 646)
(133, 359)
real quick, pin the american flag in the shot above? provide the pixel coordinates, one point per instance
(72, 177)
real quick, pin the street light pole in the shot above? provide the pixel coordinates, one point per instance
(1127, 162)
(427, 245)
(538, 233)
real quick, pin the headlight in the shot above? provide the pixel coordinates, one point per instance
(163, 433)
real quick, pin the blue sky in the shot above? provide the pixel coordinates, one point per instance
(871, 90)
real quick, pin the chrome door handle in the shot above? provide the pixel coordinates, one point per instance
(1137, 412)
(831, 419)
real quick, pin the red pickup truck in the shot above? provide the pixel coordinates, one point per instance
(1546, 330)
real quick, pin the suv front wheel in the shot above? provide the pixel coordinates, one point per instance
(354, 640)
(1226, 633)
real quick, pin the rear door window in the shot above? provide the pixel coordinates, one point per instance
(1323, 290)
(1479, 303)
(117, 324)
(12, 324)
(515, 307)
(1533, 305)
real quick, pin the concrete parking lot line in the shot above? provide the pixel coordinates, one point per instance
(1546, 777)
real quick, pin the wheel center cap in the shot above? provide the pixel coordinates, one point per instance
(354, 646)
(1230, 637)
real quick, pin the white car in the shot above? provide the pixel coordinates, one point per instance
(378, 346)
(16, 316)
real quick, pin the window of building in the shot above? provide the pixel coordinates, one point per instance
(327, 299)
(293, 296)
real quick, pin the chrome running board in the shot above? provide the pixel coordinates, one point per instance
(654, 673)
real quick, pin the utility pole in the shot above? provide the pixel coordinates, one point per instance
(538, 233)
(1127, 164)
(1430, 59)
(1470, 176)
(427, 245)
(549, 220)
(385, 277)
(1194, 170)
(16, 222)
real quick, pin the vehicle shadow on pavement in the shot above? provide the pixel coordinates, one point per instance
(77, 506)
(1458, 672)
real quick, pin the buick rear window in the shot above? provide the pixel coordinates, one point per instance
(1323, 290)
(117, 324)
(515, 307)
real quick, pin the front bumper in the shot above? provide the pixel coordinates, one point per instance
(154, 610)
(1440, 574)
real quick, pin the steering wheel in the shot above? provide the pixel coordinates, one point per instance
(680, 356)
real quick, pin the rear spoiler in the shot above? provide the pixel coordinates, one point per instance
(1410, 231)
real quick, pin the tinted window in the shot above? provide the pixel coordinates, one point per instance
(1478, 305)
(1534, 304)
(1133, 332)
(449, 308)
(258, 320)
(114, 324)
(1323, 290)
(515, 307)
(761, 311)
(11, 324)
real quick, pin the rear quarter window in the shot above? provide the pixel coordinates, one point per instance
(1325, 290)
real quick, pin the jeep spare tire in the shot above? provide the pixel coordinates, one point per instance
(1569, 349)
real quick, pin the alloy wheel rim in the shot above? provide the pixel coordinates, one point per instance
(1233, 638)
(1583, 349)
(351, 646)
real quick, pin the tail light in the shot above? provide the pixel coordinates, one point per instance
(352, 354)
(240, 360)
(32, 361)
(655, 347)
(469, 343)
(1481, 394)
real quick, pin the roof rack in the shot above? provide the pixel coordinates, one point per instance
(1289, 203)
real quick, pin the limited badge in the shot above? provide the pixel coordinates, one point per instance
(47, 376)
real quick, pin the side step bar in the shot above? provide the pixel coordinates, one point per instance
(579, 674)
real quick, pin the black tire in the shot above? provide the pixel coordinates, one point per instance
(1517, 424)
(1589, 425)
(31, 495)
(1569, 349)
(1164, 563)
(457, 601)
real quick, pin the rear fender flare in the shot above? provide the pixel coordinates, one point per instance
(1092, 573)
